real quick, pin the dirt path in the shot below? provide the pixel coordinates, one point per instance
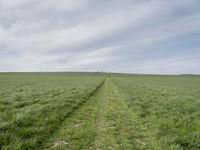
(103, 122)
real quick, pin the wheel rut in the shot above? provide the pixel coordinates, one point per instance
(103, 122)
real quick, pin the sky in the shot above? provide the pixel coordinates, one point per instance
(129, 36)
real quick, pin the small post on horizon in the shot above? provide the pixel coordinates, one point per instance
(104, 72)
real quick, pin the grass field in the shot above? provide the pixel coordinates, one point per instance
(97, 111)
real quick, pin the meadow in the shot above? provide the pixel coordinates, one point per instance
(99, 111)
(32, 105)
(166, 109)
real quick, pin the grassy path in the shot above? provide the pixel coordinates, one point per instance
(104, 122)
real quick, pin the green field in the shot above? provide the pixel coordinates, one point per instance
(97, 111)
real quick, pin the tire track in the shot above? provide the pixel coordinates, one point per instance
(104, 122)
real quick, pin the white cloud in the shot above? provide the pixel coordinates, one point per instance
(85, 35)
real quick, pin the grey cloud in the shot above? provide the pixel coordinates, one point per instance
(87, 35)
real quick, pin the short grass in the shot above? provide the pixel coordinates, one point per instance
(99, 112)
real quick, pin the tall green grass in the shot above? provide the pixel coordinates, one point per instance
(167, 107)
(33, 105)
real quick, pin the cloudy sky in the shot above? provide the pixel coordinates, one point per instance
(136, 36)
